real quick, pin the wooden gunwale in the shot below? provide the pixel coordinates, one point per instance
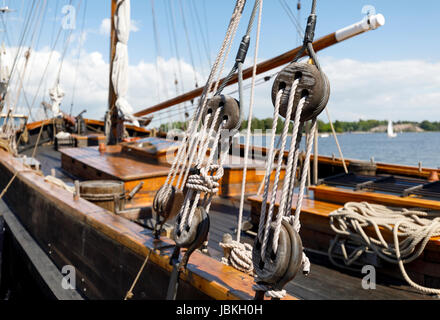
(386, 168)
(338, 195)
(204, 273)
(37, 124)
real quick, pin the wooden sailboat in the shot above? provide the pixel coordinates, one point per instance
(107, 244)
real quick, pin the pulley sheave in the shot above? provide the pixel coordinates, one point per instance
(313, 84)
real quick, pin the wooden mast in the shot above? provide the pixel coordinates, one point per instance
(343, 34)
(114, 137)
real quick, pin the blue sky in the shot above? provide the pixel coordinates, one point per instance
(409, 25)
(409, 38)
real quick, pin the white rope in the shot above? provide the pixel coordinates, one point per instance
(336, 140)
(414, 228)
(192, 141)
(251, 108)
(237, 255)
(277, 174)
(304, 174)
(60, 183)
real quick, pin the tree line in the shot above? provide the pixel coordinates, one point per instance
(265, 125)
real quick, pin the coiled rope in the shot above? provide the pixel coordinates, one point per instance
(411, 231)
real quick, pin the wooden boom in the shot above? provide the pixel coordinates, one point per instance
(365, 25)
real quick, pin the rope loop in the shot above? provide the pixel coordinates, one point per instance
(411, 230)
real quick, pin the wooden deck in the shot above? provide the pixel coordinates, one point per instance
(317, 234)
(108, 250)
(325, 281)
(114, 164)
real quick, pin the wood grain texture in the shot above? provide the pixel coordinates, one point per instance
(106, 249)
(317, 234)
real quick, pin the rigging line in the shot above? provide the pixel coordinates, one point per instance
(163, 117)
(54, 21)
(189, 43)
(258, 82)
(66, 45)
(197, 42)
(258, 3)
(52, 35)
(189, 138)
(298, 7)
(206, 27)
(47, 65)
(25, 27)
(176, 46)
(292, 17)
(173, 40)
(244, 47)
(161, 79)
(81, 42)
(204, 40)
(20, 76)
(38, 25)
(176, 82)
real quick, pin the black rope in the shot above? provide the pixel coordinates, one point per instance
(242, 50)
(309, 37)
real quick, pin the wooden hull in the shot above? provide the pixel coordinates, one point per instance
(106, 250)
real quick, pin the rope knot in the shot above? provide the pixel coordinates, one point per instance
(236, 254)
(204, 182)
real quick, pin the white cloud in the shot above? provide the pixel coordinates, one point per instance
(396, 90)
(104, 28)
(92, 82)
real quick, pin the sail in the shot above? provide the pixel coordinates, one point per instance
(120, 62)
(4, 75)
(390, 130)
(56, 95)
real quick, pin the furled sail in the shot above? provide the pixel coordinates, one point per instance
(56, 95)
(120, 62)
(4, 75)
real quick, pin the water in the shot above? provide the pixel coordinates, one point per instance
(407, 148)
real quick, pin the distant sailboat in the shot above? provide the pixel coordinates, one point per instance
(390, 130)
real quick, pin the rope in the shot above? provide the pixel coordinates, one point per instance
(336, 140)
(259, 5)
(8, 185)
(129, 294)
(237, 255)
(414, 228)
(60, 183)
(194, 141)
